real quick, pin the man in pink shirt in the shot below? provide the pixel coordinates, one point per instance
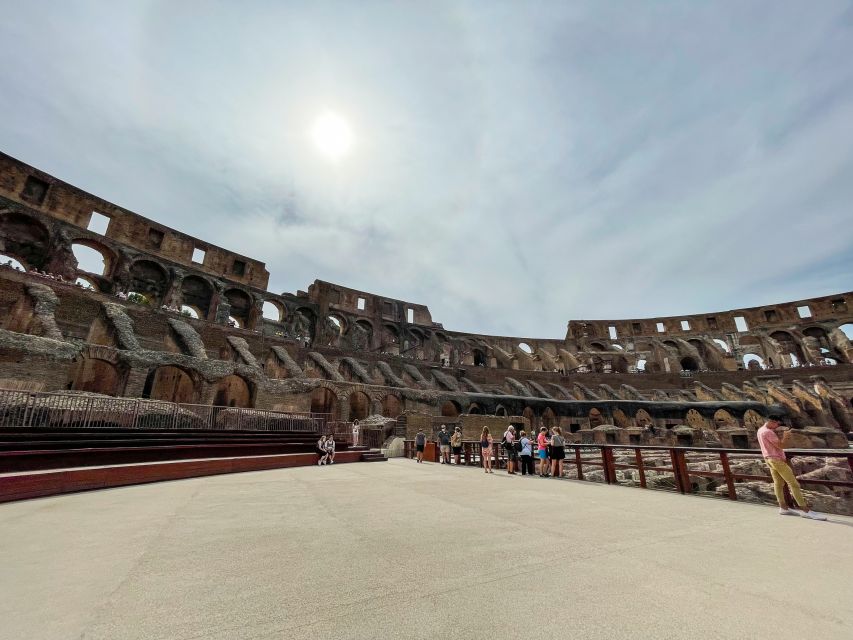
(781, 472)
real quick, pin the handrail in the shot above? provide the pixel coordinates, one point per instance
(607, 462)
(39, 409)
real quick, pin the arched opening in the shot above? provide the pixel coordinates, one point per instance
(530, 414)
(196, 293)
(595, 418)
(273, 311)
(500, 410)
(86, 283)
(92, 257)
(695, 419)
(619, 364)
(641, 364)
(724, 420)
(525, 347)
(241, 306)
(474, 408)
(324, 400)
(233, 391)
(137, 297)
(359, 405)
(549, 418)
(480, 359)
(688, 363)
(597, 346)
(172, 384)
(450, 409)
(303, 324)
(390, 339)
(191, 312)
(643, 419)
(620, 419)
(361, 335)
(752, 419)
(235, 322)
(11, 263)
(846, 329)
(753, 361)
(723, 345)
(24, 238)
(788, 346)
(96, 376)
(391, 406)
(148, 279)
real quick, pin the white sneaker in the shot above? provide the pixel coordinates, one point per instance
(788, 512)
(814, 515)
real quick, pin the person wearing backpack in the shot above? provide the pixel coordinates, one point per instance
(420, 443)
(456, 444)
(486, 450)
(526, 454)
(558, 452)
(511, 453)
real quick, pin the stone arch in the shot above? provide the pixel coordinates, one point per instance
(304, 321)
(197, 293)
(595, 418)
(170, 383)
(475, 408)
(359, 405)
(361, 334)
(149, 279)
(87, 282)
(695, 419)
(88, 252)
(450, 409)
(643, 419)
(789, 347)
(273, 310)
(232, 391)
(324, 400)
(392, 406)
(25, 239)
(14, 263)
(390, 342)
(620, 419)
(241, 306)
(549, 418)
(724, 420)
(597, 346)
(500, 410)
(753, 361)
(752, 419)
(96, 376)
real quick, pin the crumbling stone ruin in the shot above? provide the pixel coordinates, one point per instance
(171, 317)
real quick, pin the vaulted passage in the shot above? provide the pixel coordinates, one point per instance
(169, 383)
(233, 391)
(324, 400)
(97, 376)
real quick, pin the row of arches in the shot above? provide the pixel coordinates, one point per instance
(358, 404)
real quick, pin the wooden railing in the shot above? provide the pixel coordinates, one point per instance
(74, 411)
(583, 458)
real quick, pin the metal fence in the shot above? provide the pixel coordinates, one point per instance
(74, 411)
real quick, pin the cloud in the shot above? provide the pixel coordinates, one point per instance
(513, 166)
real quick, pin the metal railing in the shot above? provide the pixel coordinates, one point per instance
(75, 411)
(685, 465)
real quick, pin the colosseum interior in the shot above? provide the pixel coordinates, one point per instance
(172, 317)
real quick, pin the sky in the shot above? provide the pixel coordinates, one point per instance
(513, 166)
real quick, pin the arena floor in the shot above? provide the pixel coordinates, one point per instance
(401, 550)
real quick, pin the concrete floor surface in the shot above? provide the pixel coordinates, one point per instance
(401, 550)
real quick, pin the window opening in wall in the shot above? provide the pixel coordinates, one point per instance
(525, 347)
(771, 316)
(711, 322)
(155, 238)
(198, 255)
(86, 284)
(361, 303)
(410, 315)
(612, 332)
(35, 190)
(839, 304)
(387, 309)
(660, 327)
(187, 310)
(723, 344)
(11, 263)
(740, 324)
(685, 325)
(636, 327)
(98, 223)
(238, 268)
(89, 259)
(233, 322)
(847, 330)
(641, 365)
(804, 311)
(753, 361)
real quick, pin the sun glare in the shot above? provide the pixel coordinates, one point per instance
(332, 135)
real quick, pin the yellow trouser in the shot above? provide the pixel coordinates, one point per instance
(781, 473)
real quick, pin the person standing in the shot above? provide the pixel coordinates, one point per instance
(456, 444)
(542, 444)
(781, 472)
(558, 452)
(420, 443)
(444, 444)
(486, 450)
(511, 453)
(355, 433)
(526, 455)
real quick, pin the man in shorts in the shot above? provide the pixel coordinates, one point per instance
(444, 444)
(420, 443)
(511, 453)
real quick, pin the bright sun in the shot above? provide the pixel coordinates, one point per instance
(332, 135)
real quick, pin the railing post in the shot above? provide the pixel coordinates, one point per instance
(578, 462)
(676, 469)
(607, 464)
(28, 412)
(730, 483)
(639, 456)
(135, 420)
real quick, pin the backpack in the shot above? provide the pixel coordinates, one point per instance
(517, 444)
(484, 444)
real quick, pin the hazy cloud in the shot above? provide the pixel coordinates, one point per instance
(515, 164)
